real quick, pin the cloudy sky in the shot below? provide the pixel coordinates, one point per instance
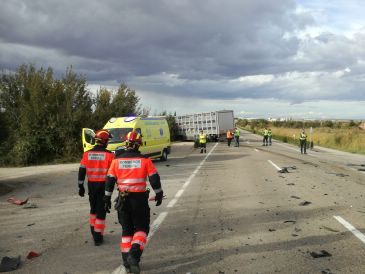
(282, 58)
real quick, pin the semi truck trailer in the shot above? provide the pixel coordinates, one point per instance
(215, 124)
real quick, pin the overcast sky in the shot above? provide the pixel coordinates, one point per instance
(282, 58)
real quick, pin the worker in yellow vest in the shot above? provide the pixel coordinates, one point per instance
(203, 142)
(303, 142)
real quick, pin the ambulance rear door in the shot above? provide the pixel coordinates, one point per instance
(88, 139)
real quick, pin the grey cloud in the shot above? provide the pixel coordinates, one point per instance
(195, 39)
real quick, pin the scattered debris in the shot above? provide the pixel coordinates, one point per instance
(290, 221)
(338, 174)
(283, 170)
(15, 201)
(330, 229)
(321, 254)
(295, 197)
(305, 203)
(297, 229)
(325, 194)
(31, 224)
(295, 235)
(290, 184)
(272, 229)
(9, 264)
(32, 254)
(32, 205)
(282, 176)
(167, 165)
(326, 271)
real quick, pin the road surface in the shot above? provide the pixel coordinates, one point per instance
(227, 211)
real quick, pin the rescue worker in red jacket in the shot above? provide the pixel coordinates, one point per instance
(95, 164)
(130, 170)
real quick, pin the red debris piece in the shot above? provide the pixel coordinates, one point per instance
(14, 201)
(32, 254)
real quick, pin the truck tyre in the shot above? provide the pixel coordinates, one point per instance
(163, 156)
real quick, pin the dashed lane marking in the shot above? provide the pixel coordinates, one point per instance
(271, 162)
(351, 228)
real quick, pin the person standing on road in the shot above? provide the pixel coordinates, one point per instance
(203, 142)
(95, 164)
(236, 137)
(269, 134)
(303, 142)
(266, 137)
(130, 171)
(229, 137)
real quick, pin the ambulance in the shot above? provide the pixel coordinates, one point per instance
(155, 135)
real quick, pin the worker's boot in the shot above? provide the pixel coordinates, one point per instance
(133, 258)
(125, 262)
(98, 238)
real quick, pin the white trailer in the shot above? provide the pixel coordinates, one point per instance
(214, 124)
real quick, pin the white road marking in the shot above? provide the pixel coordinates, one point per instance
(277, 167)
(351, 228)
(161, 217)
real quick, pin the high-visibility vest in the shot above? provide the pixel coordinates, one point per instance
(97, 164)
(237, 132)
(131, 173)
(303, 136)
(269, 133)
(202, 138)
(266, 132)
(229, 134)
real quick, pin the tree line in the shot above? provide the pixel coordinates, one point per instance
(41, 116)
(262, 123)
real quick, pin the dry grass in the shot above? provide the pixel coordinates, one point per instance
(350, 140)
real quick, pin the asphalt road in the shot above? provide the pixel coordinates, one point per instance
(227, 211)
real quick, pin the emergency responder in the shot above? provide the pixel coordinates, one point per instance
(303, 142)
(95, 164)
(130, 171)
(229, 137)
(269, 134)
(203, 142)
(266, 137)
(236, 137)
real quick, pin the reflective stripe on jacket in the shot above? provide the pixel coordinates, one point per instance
(131, 173)
(303, 136)
(96, 162)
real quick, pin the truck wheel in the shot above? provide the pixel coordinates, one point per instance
(164, 155)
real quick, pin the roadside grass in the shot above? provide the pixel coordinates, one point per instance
(349, 139)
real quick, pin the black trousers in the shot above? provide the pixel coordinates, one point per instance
(135, 216)
(229, 140)
(96, 194)
(303, 146)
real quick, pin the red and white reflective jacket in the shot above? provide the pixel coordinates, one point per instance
(96, 162)
(130, 172)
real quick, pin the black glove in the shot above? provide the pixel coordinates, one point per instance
(158, 198)
(107, 203)
(81, 190)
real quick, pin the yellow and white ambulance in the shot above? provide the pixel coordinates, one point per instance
(155, 135)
